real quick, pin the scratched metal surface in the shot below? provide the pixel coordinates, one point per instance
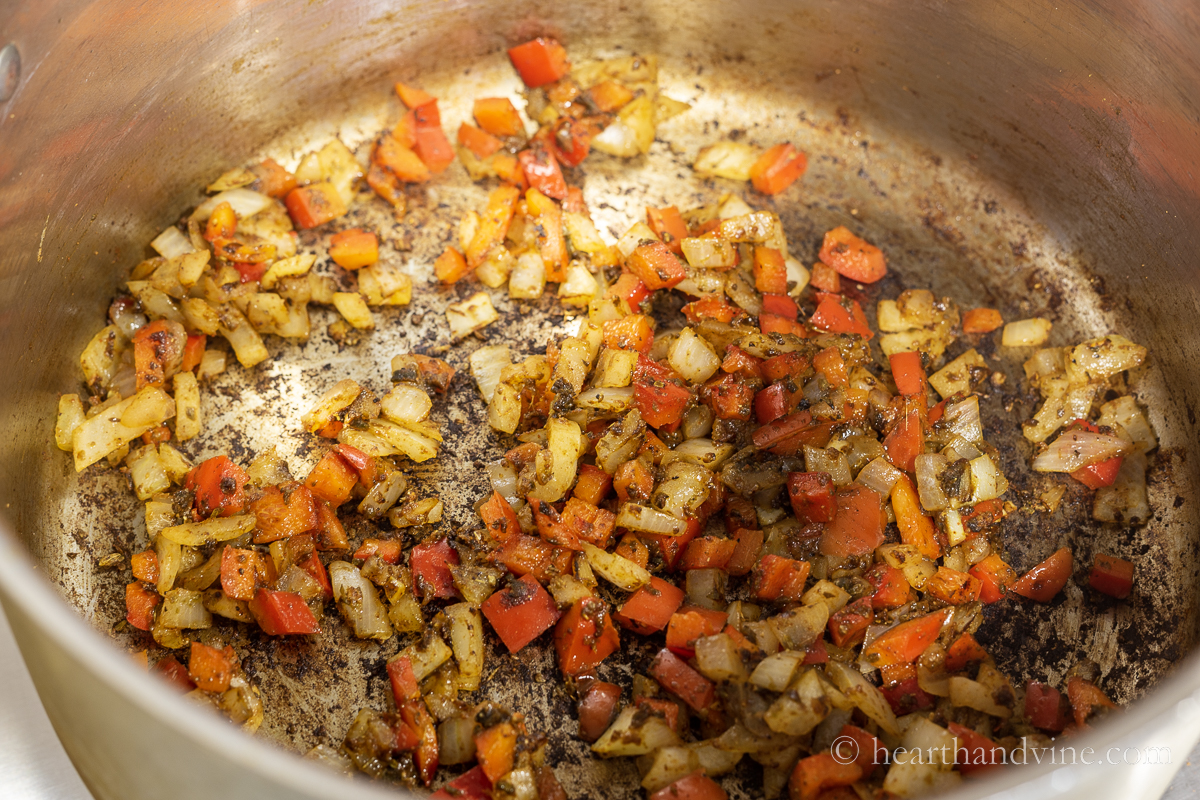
(943, 220)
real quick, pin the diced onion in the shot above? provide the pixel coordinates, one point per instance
(649, 520)
(928, 467)
(172, 242)
(775, 672)
(683, 489)
(879, 476)
(1102, 358)
(608, 400)
(406, 403)
(245, 202)
(615, 569)
(709, 252)
(692, 357)
(1078, 448)
(635, 734)
(864, 695)
(358, 601)
(703, 452)
(472, 314)
(962, 419)
(1026, 333)
(184, 608)
(731, 160)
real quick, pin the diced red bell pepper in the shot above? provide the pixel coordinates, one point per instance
(848, 626)
(174, 673)
(316, 570)
(313, 205)
(471, 785)
(496, 747)
(499, 518)
(857, 528)
(981, 320)
(651, 607)
(729, 397)
(430, 143)
(781, 306)
(139, 605)
(597, 707)
(778, 168)
(891, 588)
(656, 266)
(904, 643)
(995, 577)
(964, 652)
(1112, 576)
(1100, 474)
(1047, 579)
(629, 288)
(520, 612)
(481, 143)
(816, 653)
(916, 528)
(814, 774)
(660, 405)
(193, 351)
(694, 786)
(780, 430)
(907, 696)
(530, 555)
(829, 363)
(330, 535)
(738, 362)
(770, 271)
(690, 623)
(813, 497)
(572, 139)
(280, 517)
(498, 116)
(585, 636)
(451, 266)
(852, 257)
(282, 613)
(749, 542)
(825, 278)
(773, 402)
(239, 573)
(683, 681)
(332, 479)
(431, 564)
(784, 365)
(707, 552)
(712, 307)
(593, 484)
(542, 171)
(634, 332)
(1045, 707)
(354, 249)
(1085, 698)
(870, 750)
(550, 525)
(209, 668)
(403, 680)
(144, 566)
(841, 315)
(953, 587)
(975, 752)
(219, 485)
(908, 372)
(778, 579)
(388, 550)
(667, 223)
(539, 61)
(905, 441)
(773, 323)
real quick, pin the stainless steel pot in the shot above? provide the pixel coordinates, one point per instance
(1042, 157)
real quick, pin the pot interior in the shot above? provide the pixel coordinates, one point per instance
(1034, 169)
